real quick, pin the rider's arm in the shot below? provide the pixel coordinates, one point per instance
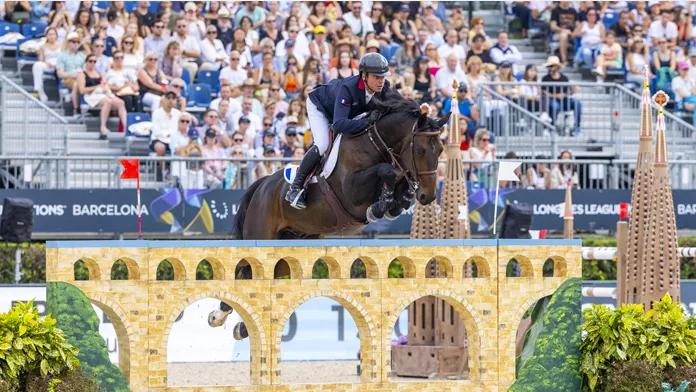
(341, 122)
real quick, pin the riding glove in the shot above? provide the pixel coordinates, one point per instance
(373, 117)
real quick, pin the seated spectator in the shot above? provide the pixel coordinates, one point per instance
(131, 57)
(292, 42)
(100, 33)
(123, 82)
(225, 115)
(636, 60)
(249, 91)
(538, 176)
(663, 29)
(423, 84)
(559, 98)
(120, 13)
(523, 12)
(170, 63)
(503, 52)
(214, 165)
(238, 138)
(396, 80)
(357, 20)
(319, 48)
(456, 20)
(270, 30)
(610, 56)
(92, 85)
(562, 24)
(592, 36)
(189, 46)
(343, 69)
(266, 75)
(665, 63)
(312, 74)
(401, 25)
(451, 47)
(240, 45)
(150, 78)
(266, 137)
(143, 13)
(434, 60)
(211, 122)
(140, 30)
(84, 38)
(40, 10)
(267, 45)
(157, 41)
(235, 169)
(297, 111)
(226, 95)
(474, 76)
(84, 18)
(639, 15)
(48, 58)
(622, 29)
(233, 75)
(445, 76)
(274, 93)
(290, 143)
(684, 88)
(529, 90)
(213, 53)
(165, 123)
(244, 127)
(266, 168)
(684, 23)
(224, 26)
(406, 56)
(434, 34)
(69, 65)
(115, 29)
(103, 61)
(138, 42)
(510, 91)
(60, 20)
(477, 49)
(478, 28)
(565, 174)
(194, 23)
(466, 106)
(177, 86)
(482, 154)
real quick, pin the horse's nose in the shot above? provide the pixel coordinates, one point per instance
(422, 198)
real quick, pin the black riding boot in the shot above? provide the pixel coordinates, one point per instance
(297, 194)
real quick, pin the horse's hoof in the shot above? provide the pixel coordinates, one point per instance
(370, 216)
(388, 216)
(240, 332)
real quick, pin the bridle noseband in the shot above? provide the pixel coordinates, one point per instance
(394, 159)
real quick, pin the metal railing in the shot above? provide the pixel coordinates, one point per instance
(601, 118)
(27, 125)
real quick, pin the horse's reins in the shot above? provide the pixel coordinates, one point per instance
(413, 183)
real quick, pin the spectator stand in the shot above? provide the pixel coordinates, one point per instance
(137, 141)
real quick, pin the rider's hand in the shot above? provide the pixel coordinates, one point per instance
(373, 117)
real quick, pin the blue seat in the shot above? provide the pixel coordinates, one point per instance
(610, 18)
(23, 60)
(211, 78)
(6, 27)
(199, 95)
(34, 28)
(130, 6)
(186, 77)
(134, 118)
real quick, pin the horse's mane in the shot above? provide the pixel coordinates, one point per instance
(395, 103)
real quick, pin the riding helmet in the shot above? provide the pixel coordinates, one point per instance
(374, 63)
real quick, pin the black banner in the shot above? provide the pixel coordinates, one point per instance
(169, 210)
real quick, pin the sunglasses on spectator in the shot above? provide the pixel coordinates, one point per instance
(98, 46)
(91, 61)
(176, 86)
(275, 89)
(212, 32)
(128, 42)
(237, 140)
(234, 58)
(118, 57)
(184, 121)
(485, 139)
(152, 59)
(159, 26)
(213, 115)
(267, 124)
(74, 42)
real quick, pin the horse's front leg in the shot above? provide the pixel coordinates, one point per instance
(402, 200)
(378, 209)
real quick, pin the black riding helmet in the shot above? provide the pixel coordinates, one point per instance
(374, 63)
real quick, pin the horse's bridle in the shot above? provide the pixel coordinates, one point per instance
(394, 158)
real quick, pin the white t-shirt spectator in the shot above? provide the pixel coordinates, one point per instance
(444, 77)
(210, 51)
(255, 121)
(300, 50)
(195, 28)
(163, 125)
(656, 30)
(235, 106)
(445, 50)
(233, 77)
(115, 32)
(120, 77)
(189, 43)
(437, 38)
(685, 85)
(363, 23)
(178, 140)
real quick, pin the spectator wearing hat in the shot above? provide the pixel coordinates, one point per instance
(357, 20)
(502, 51)
(226, 95)
(373, 46)
(478, 49)
(195, 24)
(256, 14)
(224, 26)
(211, 120)
(466, 105)
(319, 48)
(267, 168)
(401, 26)
(452, 47)
(559, 99)
(445, 76)
(266, 138)
(214, 165)
(296, 43)
(165, 122)
(249, 91)
(248, 113)
(248, 132)
(281, 63)
(69, 64)
(692, 63)
(684, 88)
(233, 75)
(291, 142)
(344, 45)
(213, 53)
(156, 41)
(189, 46)
(100, 33)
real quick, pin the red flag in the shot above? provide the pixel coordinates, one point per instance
(131, 168)
(623, 210)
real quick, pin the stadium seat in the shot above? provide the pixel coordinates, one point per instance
(186, 77)
(211, 78)
(199, 95)
(23, 60)
(134, 118)
(33, 29)
(610, 18)
(131, 5)
(6, 27)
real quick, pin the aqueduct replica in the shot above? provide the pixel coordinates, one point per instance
(491, 306)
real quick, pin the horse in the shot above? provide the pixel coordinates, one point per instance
(379, 171)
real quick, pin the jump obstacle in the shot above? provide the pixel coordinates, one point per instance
(143, 309)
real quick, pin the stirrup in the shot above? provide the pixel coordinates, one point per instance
(296, 200)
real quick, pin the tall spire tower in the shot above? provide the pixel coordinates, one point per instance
(660, 263)
(640, 200)
(568, 215)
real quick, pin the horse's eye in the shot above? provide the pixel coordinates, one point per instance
(420, 151)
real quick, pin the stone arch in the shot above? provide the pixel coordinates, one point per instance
(177, 265)
(482, 268)
(444, 264)
(466, 312)
(526, 268)
(408, 265)
(122, 326)
(332, 265)
(256, 267)
(511, 335)
(133, 268)
(249, 316)
(216, 265)
(368, 348)
(293, 265)
(560, 266)
(92, 268)
(371, 269)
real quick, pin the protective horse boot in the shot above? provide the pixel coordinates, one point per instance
(240, 331)
(297, 194)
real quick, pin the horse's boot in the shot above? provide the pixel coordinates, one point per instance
(401, 203)
(297, 194)
(240, 331)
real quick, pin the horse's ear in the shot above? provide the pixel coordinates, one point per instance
(422, 119)
(443, 120)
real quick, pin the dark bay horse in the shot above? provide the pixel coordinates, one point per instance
(377, 174)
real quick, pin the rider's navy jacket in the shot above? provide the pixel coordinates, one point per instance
(341, 100)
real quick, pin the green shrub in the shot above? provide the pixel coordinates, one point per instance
(30, 344)
(660, 336)
(634, 376)
(675, 376)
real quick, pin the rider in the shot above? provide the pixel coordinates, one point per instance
(335, 105)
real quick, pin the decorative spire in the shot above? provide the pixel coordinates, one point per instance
(454, 118)
(661, 99)
(646, 107)
(568, 201)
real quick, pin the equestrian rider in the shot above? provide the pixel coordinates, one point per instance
(336, 105)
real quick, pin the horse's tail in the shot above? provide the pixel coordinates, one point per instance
(238, 226)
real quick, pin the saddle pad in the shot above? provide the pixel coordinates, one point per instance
(290, 170)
